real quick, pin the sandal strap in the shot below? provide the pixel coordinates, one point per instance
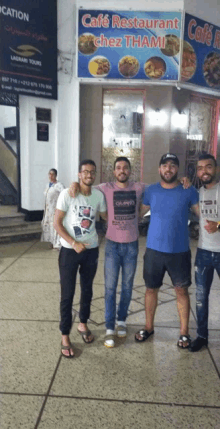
(66, 347)
(185, 338)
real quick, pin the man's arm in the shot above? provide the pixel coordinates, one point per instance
(58, 226)
(143, 210)
(104, 215)
(195, 209)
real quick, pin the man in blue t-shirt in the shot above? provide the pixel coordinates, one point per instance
(168, 244)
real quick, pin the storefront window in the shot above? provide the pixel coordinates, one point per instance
(200, 137)
(122, 130)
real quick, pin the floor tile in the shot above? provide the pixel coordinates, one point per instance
(60, 412)
(29, 355)
(5, 263)
(37, 270)
(29, 300)
(141, 372)
(19, 412)
(13, 250)
(41, 250)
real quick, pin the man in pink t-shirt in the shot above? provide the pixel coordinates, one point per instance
(123, 200)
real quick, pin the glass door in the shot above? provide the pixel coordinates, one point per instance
(123, 113)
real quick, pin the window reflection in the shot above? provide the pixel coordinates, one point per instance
(122, 130)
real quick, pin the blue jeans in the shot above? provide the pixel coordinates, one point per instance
(124, 256)
(205, 263)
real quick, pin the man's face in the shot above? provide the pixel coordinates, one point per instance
(52, 176)
(206, 171)
(122, 171)
(168, 171)
(87, 174)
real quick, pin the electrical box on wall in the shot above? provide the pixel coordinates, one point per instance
(43, 114)
(10, 133)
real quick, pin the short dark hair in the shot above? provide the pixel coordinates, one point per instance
(86, 161)
(122, 158)
(207, 156)
(54, 171)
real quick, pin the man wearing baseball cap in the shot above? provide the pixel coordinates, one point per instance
(168, 244)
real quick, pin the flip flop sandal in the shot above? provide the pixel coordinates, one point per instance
(85, 335)
(121, 331)
(109, 338)
(144, 335)
(182, 339)
(69, 356)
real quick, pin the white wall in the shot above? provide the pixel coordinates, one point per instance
(207, 10)
(37, 157)
(7, 118)
(132, 4)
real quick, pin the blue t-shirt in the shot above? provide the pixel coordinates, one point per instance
(168, 229)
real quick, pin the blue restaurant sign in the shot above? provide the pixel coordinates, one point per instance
(129, 45)
(201, 53)
(28, 47)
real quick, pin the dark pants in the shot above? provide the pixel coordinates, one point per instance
(69, 261)
(205, 264)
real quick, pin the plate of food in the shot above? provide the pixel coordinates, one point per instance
(172, 45)
(99, 66)
(211, 69)
(86, 44)
(188, 61)
(128, 66)
(155, 68)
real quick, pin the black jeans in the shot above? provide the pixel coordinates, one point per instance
(69, 261)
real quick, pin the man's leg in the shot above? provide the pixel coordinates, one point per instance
(68, 266)
(129, 254)
(204, 271)
(153, 274)
(112, 267)
(88, 268)
(183, 307)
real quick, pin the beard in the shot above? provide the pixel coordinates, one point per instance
(208, 180)
(170, 179)
(122, 179)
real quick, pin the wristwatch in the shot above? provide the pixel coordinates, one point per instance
(218, 226)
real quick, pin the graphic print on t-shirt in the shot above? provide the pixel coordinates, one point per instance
(209, 208)
(84, 218)
(124, 205)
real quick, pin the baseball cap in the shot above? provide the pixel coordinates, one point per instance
(169, 157)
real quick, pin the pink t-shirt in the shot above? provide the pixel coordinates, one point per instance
(123, 207)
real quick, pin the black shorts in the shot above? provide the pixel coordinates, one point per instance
(178, 266)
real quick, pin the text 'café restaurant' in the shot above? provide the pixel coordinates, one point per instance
(93, 81)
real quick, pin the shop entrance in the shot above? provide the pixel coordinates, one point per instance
(9, 150)
(123, 113)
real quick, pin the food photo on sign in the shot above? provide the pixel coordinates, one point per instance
(129, 45)
(201, 53)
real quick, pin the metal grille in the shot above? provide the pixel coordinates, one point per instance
(8, 99)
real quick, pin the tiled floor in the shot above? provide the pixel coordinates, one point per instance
(133, 386)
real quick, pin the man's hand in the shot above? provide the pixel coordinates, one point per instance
(74, 189)
(78, 247)
(185, 182)
(211, 226)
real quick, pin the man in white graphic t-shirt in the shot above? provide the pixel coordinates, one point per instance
(75, 223)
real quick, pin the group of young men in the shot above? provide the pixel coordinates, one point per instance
(167, 247)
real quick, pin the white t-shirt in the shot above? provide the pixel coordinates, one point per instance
(209, 204)
(79, 220)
